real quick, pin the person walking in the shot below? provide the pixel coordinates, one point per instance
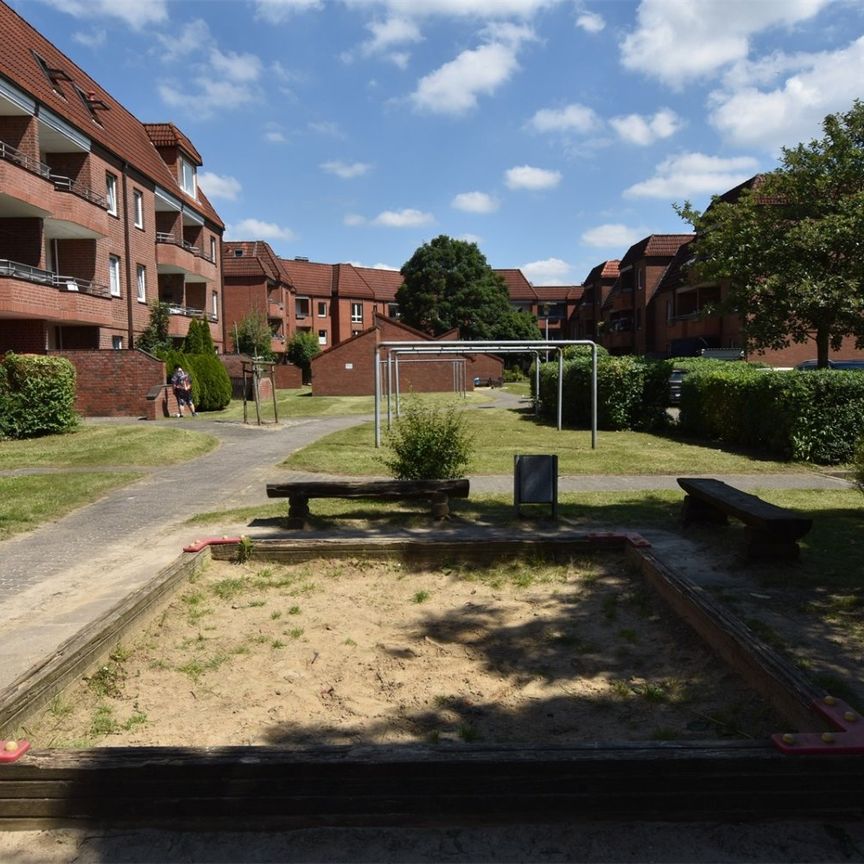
(182, 384)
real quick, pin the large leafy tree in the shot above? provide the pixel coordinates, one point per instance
(448, 283)
(301, 349)
(791, 247)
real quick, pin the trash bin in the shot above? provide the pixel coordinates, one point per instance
(535, 481)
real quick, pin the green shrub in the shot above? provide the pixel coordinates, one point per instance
(211, 385)
(859, 464)
(37, 396)
(429, 443)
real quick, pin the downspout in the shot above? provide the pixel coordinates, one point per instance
(127, 256)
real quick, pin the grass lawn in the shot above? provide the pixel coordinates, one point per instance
(29, 501)
(301, 403)
(500, 433)
(99, 445)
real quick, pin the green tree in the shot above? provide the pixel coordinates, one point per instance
(300, 350)
(155, 338)
(194, 341)
(448, 283)
(252, 335)
(790, 247)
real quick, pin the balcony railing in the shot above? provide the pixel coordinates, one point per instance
(16, 270)
(67, 184)
(13, 154)
(165, 237)
(191, 312)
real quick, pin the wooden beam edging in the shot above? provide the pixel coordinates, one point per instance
(767, 672)
(83, 651)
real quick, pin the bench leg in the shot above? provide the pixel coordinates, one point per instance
(298, 511)
(440, 505)
(696, 510)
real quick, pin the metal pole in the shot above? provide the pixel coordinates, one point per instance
(560, 386)
(593, 395)
(536, 383)
(377, 399)
(398, 404)
(389, 384)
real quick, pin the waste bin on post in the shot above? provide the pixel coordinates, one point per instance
(535, 481)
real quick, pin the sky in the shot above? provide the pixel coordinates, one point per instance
(553, 133)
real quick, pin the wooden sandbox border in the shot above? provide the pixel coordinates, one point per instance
(289, 787)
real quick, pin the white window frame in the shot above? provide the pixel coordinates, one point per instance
(117, 343)
(141, 283)
(188, 177)
(356, 313)
(214, 304)
(138, 198)
(322, 337)
(322, 308)
(111, 192)
(114, 275)
(212, 248)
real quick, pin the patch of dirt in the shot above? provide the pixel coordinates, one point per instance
(374, 652)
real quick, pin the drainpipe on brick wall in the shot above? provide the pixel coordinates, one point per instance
(127, 256)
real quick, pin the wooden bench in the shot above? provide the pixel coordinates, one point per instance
(772, 532)
(298, 493)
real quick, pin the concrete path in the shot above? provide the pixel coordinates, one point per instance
(63, 575)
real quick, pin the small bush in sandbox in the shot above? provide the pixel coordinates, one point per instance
(429, 443)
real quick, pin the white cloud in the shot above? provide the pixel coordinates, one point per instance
(216, 186)
(345, 170)
(192, 37)
(274, 136)
(352, 220)
(237, 67)
(93, 39)
(471, 238)
(475, 202)
(636, 129)
(207, 97)
(458, 8)
(528, 177)
(679, 40)
(278, 11)
(387, 34)
(590, 22)
(407, 218)
(454, 87)
(549, 271)
(690, 174)
(256, 229)
(575, 117)
(133, 12)
(326, 127)
(822, 84)
(612, 236)
(378, 266)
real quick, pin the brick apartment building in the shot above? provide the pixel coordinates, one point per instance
(100, 214)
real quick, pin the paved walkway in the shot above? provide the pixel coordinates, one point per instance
(58, 578)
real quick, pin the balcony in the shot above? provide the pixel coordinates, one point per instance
(28, 163)
(277, 344)
(275, 310)
(30, 292)
(175, 255)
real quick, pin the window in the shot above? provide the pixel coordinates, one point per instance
(214, 304)
(138, 198)
(322, 309)
(117, 343)
(356, 313)
(114, 275)
(322, 337)
(187, 176)
(141, 282)
(111, 193)
(393, 310)
(213, 249)
(301, 308)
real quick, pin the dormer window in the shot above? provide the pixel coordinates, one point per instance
(55, 76)
(188, 178)
(93, 104)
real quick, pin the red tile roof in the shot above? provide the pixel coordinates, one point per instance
(309, 278)
(606, 270)
(557, 293)
(168, 135)
(115, 129)
(654, 246)
(518, 287)
(257, 259)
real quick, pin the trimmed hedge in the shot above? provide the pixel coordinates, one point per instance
(37, 396)
(808, 416)
(211, 385)
(631, 392)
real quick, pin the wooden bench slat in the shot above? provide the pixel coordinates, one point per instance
(369, 488)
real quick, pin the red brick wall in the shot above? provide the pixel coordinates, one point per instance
(288, 377)
(117, 383)
(20, 132)
(346, 370)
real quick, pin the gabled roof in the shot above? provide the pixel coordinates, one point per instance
(558, 293)
(309, 278)
(105, 121)
(383, 283)
(673, 277)
(606, 270)
(168, 135)
(654, 246)
(256, 258)
(518, 287)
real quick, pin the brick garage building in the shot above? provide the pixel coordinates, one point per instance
(349, 369)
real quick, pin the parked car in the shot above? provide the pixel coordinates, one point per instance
(675, 379)
(842, 365)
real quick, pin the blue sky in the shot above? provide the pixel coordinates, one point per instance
(554, 133)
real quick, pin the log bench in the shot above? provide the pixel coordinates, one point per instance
(299, 493)
(772, 532)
